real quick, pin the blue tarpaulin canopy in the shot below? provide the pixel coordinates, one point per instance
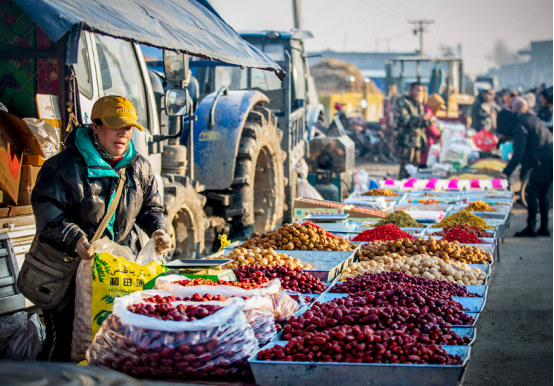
(188, 26)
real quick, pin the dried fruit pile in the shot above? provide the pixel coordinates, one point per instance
(257, 256)
(461, 218)
(384, 233)
(353, 311)
(295, 236)
(380, 192)
(390, 281)
(400, 219)
(462, 236)
(479, 232)
(201, 281)
(443, 249)
(419, 265)
(479, 206)
(359, 345)
(180, 313)
(291, 279)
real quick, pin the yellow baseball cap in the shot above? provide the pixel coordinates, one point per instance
(116, 112)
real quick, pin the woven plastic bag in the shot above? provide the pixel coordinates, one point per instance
(99, 281)
(215, 346)
(283, 305)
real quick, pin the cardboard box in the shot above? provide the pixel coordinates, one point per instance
(306, 206)
(27, 183)
(15, 136)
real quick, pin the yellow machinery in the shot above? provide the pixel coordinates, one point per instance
(368, 104)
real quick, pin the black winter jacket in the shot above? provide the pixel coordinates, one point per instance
(532, 148)
(73, 190)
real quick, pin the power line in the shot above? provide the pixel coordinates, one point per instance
(387, 39)
(380, 10)
(420, 29)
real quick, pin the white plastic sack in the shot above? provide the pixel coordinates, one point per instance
(165, 283)
(361, 181)
(283, 306)
(434, 154)
(217, 345)
(21, 336)
(304, 189)
(46, 134)
(82, 323)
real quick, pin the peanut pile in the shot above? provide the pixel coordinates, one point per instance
(295, 236)
(447, 251)
(265, 257)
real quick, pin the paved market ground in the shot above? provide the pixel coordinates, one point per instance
(514, 332)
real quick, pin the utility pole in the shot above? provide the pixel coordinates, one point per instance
(296, 11)
(420, 28)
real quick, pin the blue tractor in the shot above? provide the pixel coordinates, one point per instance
(251, 130)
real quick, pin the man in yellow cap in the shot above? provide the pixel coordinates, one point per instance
(73, 192)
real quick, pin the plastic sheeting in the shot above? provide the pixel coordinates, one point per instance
(188, 26)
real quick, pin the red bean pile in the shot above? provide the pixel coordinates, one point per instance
(359, 344)
(383, 281)
(388, 232)
(166, 311)
(350, 312)
(468, 228)
(291, 278)
(463, 237)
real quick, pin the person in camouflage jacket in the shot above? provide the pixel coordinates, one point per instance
(411, 121)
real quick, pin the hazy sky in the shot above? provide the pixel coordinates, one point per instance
(355, 25)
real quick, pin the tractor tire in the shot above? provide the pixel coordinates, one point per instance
(186, 221)
(258, 190)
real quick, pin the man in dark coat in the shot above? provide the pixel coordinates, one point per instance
(482, 111)
(72, 195)
(533, 150)
(411, 121)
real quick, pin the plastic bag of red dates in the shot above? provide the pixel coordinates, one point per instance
(178, 340)
(283, 305)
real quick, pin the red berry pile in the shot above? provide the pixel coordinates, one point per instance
(463, 237)
(468, 228)
(359, 344)
(291, 278)
(180, 313)
(388, 232)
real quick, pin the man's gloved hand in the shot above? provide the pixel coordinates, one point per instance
(84, 250)
(163, 241)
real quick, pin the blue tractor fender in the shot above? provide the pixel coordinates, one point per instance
(216, 145)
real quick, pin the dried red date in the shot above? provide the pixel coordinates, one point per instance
(166, 311)
(291, 279)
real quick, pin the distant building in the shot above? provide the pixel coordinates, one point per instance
(371, 64)
(531, 73)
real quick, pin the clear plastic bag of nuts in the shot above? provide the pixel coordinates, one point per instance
(215, 346)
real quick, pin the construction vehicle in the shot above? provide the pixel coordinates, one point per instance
(75, 66)
(288, 105)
